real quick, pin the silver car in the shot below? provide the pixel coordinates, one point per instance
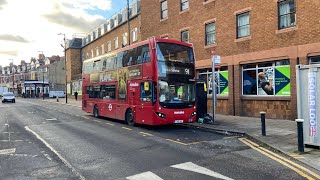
(8, 97)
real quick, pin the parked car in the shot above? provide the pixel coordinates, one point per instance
(8, 97)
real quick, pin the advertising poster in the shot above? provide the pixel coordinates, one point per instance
(282, 81)
(77, 87)
(94, 77)
(122, 83)
(109, 76)
(224, 86)
(266, 81)
(135, 72)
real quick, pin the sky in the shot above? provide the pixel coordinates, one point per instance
(30, 27)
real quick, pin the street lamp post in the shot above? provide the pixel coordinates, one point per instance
(12, 77)
(43, 63)
(65, 64)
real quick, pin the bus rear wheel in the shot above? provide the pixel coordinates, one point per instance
(130, 117)
(96, 111)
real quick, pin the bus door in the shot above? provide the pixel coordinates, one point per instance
(144, 105)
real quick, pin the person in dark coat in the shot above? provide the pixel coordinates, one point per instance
(76, 95)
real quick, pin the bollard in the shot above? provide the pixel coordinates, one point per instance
(57, 98)
(263, 123)
(300, 135)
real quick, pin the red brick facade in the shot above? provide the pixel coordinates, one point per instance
(266, 43)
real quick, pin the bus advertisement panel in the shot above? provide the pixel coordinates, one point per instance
(151, 82)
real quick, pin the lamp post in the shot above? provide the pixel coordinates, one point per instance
(12, 77)
(65, 63)
(43, 63)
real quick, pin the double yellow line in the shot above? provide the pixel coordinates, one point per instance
(310, 175)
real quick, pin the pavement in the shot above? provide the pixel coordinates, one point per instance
(281, 135)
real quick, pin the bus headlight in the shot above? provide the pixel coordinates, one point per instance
(161, 115)
(193, 114)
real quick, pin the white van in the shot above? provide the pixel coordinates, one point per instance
(53, 94)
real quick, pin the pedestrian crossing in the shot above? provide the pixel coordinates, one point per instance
(188, 166)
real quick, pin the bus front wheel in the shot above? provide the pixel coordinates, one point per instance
(130, 117)
(96, 111)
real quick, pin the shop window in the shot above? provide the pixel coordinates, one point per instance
(264, 79)
(221, 80)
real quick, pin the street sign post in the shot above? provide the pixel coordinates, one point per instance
(216, 60)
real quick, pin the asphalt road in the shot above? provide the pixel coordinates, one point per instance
(40, 140)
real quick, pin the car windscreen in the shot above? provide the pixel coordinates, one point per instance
(8, 94)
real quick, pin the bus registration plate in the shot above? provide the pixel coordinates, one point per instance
(178, 121)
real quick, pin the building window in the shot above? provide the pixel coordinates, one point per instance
(109, 46)
(116, 43)
(102, 49)
(184, 5)
(210, 33)
(124, 39)
(263, 79)
(185, 36)
(134, 35)
(314, 60)
(243, 25)
(87, 57)
(164, 9)
(97, 51)
(221, 80)
(91, 53)
(287, 13)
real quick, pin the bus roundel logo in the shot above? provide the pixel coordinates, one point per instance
(110, 107)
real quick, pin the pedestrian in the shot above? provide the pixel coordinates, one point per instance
(76, 95)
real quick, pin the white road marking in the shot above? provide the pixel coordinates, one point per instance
(145, 134)
(144, 176)
(52, 119)
(85, 117)
(189, 166)
(57, 153)
(7, 151)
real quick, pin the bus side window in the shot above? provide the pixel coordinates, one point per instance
(145, 54)
(104, 63)
(119, 59)
(131, 57)
(138, 55)
(125, 58)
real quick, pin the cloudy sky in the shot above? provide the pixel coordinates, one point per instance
(30, 26)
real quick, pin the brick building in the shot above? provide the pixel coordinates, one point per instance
(252, 38)
(111, 35)
(260, 43)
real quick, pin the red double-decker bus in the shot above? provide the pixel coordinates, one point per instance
(151, 82)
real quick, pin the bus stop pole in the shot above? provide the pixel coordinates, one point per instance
(213, 89)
